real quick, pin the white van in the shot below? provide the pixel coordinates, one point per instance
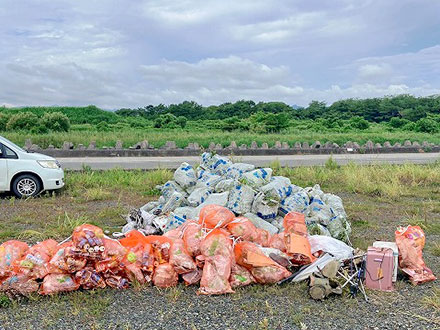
(26, 173)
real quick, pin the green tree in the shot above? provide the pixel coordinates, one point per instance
(427, 125)
(3, 121)
(359, 123)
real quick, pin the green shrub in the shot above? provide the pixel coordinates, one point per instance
(22, 121)
(427, 125)
(268, 122)
(39, 129)
(102, 127)
(168, 120)
(397, 122)
(3, 121)
(359, 123)
(56, 121)
(409, 126)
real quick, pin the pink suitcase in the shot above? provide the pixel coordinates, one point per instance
(379, 269)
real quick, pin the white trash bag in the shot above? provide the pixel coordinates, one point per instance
(236, 170)
(278, 188)
(225, 185)
(240, 199)
(319, 212)
(257, 178)
(185, 175)
(336, 248)
(297, 202)
(260, 223)
(198, 196)
(265, 208)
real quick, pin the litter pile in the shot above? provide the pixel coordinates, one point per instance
(253, 193)
(221, 226)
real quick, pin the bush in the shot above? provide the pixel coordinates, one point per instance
(3, 122)
(56, 121)
(409, 127)
(427, 125)
(102, 127)
(359, 123)
(168, 120)
(397, 122)
(39, 129)
(268, 122)
(22, 121)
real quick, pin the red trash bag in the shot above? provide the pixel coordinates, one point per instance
(165, 276)
(180, 258)
(10, 252)
(217, 251)
(35, 263)
(243, 228)
(410, 241)
(192, 237)
(54, 283)
(215, 216)
(294, 222)
(262, 268)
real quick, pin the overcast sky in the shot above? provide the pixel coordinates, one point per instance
(132, 53)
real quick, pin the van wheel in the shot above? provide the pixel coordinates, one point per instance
(26, 185)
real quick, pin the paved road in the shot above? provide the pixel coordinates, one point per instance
(147, 163)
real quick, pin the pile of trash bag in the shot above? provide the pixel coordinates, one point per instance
(219, 251)
(246, 191)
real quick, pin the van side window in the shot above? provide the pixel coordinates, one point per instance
(5, 152)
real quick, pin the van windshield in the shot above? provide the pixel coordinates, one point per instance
(13, 145)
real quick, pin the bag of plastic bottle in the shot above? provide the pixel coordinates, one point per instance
(55, 283)
(198, 196)
(257, 178)
(266, 208)
(87, 241)
(410, 240)
(185, 176)
(89, 278)
(115, 253)
(240, 199)
(139, 262)
(35, 263)
(215, 216)
(165, 276)
(10, 253)
(278, 188)
(18, 285)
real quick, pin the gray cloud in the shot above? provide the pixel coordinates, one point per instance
(132, 53)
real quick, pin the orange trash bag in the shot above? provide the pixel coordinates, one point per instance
(410, 241)
(133, 238)
(19, 284)
(89, 278)
(215, 216)
(240, 276)
(262, 268)
(192, 277)
(263, 237)
(294, 222)
(115, 253)
(87, 241)
(217, 251)
(192, 237)
(243, 228)
(161, 247)
(65, 260)
(298, 247)
(139, 263)
(35, 263)
(10, 253)
(180, 258)
(54, 283)
(277, 242)
(165, 276)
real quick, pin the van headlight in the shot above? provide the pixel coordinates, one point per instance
(48, 164)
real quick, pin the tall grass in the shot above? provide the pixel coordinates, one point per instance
(204, 137)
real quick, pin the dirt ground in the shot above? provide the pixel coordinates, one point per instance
(253, 307)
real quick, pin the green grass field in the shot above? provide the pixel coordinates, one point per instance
(204, 136)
